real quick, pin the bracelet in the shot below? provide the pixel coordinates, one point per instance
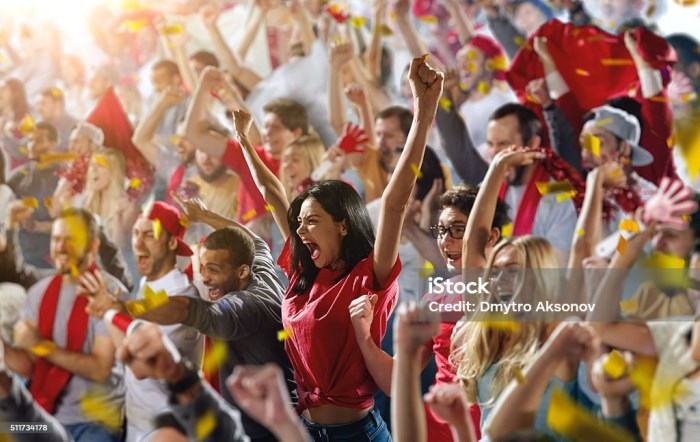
(189, 380)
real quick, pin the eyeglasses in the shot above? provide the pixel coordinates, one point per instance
(456, 231)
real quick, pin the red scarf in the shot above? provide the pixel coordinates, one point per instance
(175, 181)
(48, 380)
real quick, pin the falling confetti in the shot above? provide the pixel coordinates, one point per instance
(484, 87)
(463, 86)
(96, 406)
(157, 228)
(152, 300)
(565, 196)
(392, 16)
(23, 150)
(428, 19)
(284, 334)
(416, 171)
(472, 66)
(445, 104)
(26, 125)
(629, 225)
(671, 142)
(616, 62)
(629, 305)
(358, 22)
(172, 29)
(507, 230)
(582, 73)
(621, 245)
(547, 187)
(56, 92)
(615, 365)
(686, 3)
(99, 159)
(427, 270)
(249, 215)
(615, 173)
(604, 122)
(580, 232)
(74, 271)
(572, 421)
(472, 54)
(270, 208)
(48, 202)
(184, 222)
(215, 356)
(57, 157)
(134, 183)
(205, 424)
(30, 202)
(660, 99)
(44, 348)
(591, 143)
(520, 376)
(175, 139)
(134, 25)
(385, 30)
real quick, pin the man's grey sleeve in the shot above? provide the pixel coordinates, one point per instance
(506, 33)
(228, 318)
(18, 406)
(208, 402)
(459, 147)
(113, 261)
(562, 136)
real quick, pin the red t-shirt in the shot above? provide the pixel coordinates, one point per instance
(249, 196)
(328, 364)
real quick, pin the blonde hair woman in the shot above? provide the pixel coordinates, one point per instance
(299, 159)
(499, 347)
(106, 195)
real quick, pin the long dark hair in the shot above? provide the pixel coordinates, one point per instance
(343, 203)
(20, 105)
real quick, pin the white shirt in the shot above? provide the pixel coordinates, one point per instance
(147, 398)
(476, 114)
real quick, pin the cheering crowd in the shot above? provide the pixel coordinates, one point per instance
(226, 220)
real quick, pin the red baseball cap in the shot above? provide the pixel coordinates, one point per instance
(175, 224)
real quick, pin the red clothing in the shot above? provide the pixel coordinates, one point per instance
(249, 197)
(328, 364)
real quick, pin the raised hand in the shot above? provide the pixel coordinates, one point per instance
(573, 341)
(448, 402)
(17, 213)
(341, 53)
(400, 7)
(171, 96)
(26, 334)
(426, 84)
(669, 204)
(539, 91)
(193, 208)
(414, 326)
(242, 121)
(355, 92)
(209, 14)
(361, 315)
(540, 46)
(613, 175)
(93, 285)
(518, 156)
(149, 354)
(352, 139)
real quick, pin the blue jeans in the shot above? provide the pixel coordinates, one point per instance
(89, 432)
(370, 428)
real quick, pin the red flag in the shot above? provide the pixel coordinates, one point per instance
(109, 115)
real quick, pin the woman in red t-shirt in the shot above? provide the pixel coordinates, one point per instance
(331, 258)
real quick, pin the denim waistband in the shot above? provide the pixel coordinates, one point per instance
(371, 421)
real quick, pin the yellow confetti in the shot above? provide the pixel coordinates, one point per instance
(664, 261)
(392, 15)
(507, 230)
(78, 232)
(358, 22)
(215, 356)
(472, 54)
(175, 139)
(484, 87)
(270, 208)
(97, 407)
(592, 143)
(520, 376)
(595, 38)
(660, 99)
(48, 202)
(445, 104)
(249, 215)
(686, 3)
(628, 305)
(671, 142)
(690, 96)
(615, 173)
(582, 73)
(565, 196)
(57, 157)
(26, 125)
(472, 66)
(157, 228)
(615, 365)
(29, 201)
(44, 348)
(184, 222)
(428, 19)
(497, 63)
(616, 62)
(130, 5)
(522, 43)
(427, 270)
(500, 322)
(56, 92)
(463, 86)
(580, 232)
(134, 183)
(173, 29)
(547, 187)
(99, 159)
(621, 245)
(629, 225)
(385, 30)
(153, 298)
(572, 421)
(23, 150)
(284, 334)
(416, 171)
(134, 25)
(205, 425)
(74, 271)
(604, 122)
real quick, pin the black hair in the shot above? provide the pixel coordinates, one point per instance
(431, 169)
(462, 198)
(343, 203)
(404, 115)
(528, 122)
(240, 246)
(687, 48)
